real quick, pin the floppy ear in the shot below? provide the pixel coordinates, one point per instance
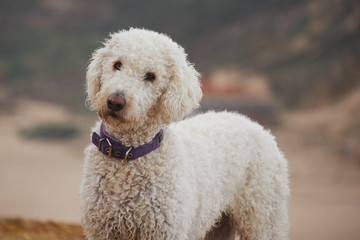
(183, 93)
(93, 76)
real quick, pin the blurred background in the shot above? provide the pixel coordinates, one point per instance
(293, 66)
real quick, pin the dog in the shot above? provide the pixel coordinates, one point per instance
(149, 174)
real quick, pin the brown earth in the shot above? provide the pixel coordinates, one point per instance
(20, 229)
(40, 179)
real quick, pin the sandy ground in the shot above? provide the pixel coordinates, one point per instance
(325, 194)
(325, 185)
(40, 179)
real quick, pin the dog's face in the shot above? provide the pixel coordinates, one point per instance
(140, 74)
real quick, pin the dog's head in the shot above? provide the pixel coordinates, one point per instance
(140, 74)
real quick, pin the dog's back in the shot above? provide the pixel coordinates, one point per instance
(239, 171)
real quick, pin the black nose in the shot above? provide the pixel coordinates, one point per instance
(116, 102)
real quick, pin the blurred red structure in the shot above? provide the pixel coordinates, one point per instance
(245, 98)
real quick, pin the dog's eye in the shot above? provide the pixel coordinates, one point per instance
(117, 65)
(149, 76)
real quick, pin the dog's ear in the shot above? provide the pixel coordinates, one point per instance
(93, 76)
(183, 93)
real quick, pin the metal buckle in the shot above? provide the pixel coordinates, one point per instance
(110, 147)
(128, 154)
(99, 146)
(107, 150)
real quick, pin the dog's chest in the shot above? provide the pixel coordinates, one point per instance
(124, 187)
(131, 198)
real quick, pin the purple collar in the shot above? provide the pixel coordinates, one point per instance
(113, 148)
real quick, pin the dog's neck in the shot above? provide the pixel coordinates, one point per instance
(134, 137)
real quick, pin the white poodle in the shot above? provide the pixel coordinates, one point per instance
(151, 175)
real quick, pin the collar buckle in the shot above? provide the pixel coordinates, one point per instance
(99, 145)
(108, 150)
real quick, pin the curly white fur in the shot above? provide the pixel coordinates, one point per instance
(214, 175)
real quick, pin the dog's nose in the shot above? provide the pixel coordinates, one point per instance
(116, 102)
